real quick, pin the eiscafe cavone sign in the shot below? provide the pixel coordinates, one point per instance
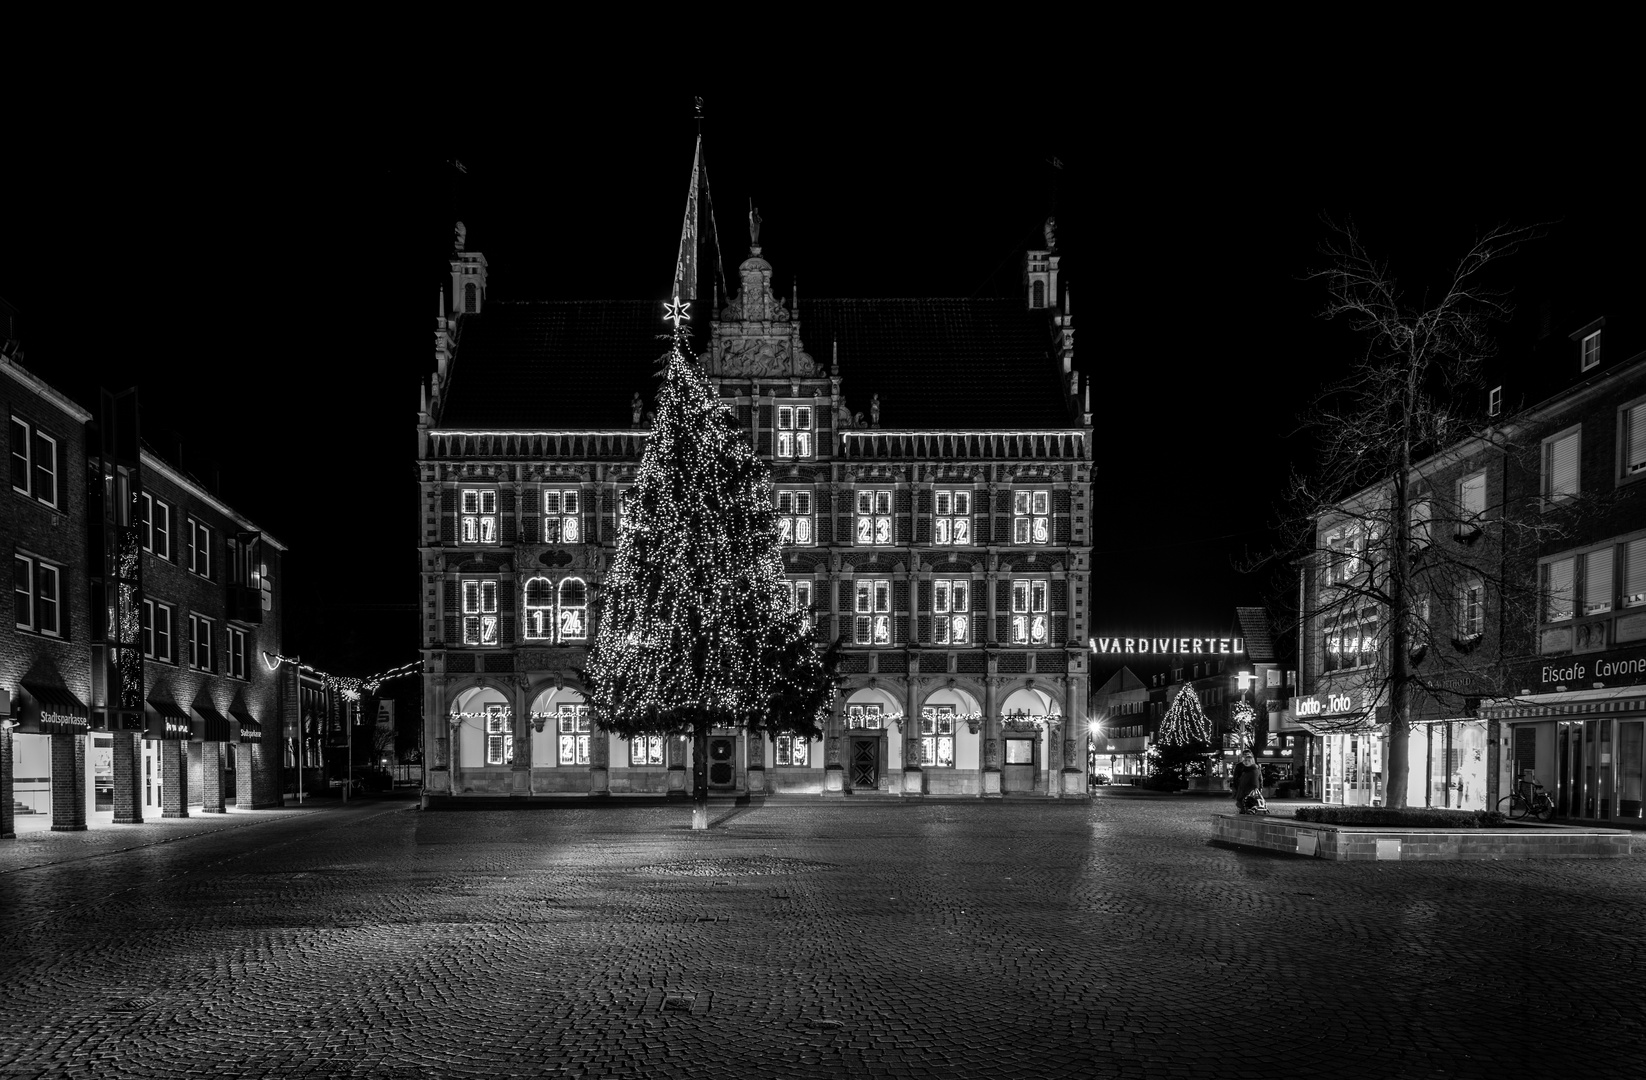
(1178, 646)
(1581, 672)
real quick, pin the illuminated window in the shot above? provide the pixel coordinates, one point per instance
(953, 523)
(792, 750)
(794, 515)
(199, 541)
(1471, 609)
(234, 657)
(539, 608)
(156, 526)
(951, 611)
(479, 611)
(873, 622)
(200, 630)
(937, 736)
(157, 623)
(479, 516)
(794, 431)
(1348, 555)
(874, 517)
(560, 522)
(800, 599)
(1560, 468)
(1591, 350)
(35, 465)
(1421, 513)
(499, 736)
(625, 507)
(1029, 612)
(38, 597)
(863, 716)
(574, 602)
(646, 750)
(1471, 499)
(1350, 640)
(574, 728)
(1031, 520)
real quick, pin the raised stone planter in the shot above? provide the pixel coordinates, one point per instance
(1268, 832)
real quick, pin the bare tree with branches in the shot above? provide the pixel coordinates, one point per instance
(1414, 567)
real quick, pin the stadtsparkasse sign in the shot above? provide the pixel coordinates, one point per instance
(1172, 646)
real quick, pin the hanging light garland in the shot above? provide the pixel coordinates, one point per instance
(348, 686)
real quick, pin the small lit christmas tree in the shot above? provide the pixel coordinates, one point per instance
(1185, 722)
(1245, 722)
(696, 628)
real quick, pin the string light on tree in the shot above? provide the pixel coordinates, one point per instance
(677, 312)
(1185, 722)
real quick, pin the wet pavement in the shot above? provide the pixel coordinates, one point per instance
(797, 938)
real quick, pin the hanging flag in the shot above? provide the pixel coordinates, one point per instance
(685, 265)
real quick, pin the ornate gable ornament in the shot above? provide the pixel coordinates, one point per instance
(757, 335)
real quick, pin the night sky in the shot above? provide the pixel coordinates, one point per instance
(272, 290)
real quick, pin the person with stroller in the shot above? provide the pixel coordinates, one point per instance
(1248, 785)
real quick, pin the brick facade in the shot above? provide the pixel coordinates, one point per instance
(174, 779)
(68, 783)
(128, 778)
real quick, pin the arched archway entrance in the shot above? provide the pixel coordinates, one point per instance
(1026, 718)
(868, 755)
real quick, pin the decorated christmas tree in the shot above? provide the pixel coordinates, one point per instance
(1244, 719)
(696, 628)
(1185, 722)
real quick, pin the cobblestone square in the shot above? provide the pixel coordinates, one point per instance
(803, 938)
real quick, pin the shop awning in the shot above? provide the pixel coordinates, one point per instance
(169, 722)
(1609, 699)
(251, 730)
(209, 724)
(55, 711)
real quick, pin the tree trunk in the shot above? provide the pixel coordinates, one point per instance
(700, 775)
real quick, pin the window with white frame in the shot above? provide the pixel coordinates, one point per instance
(800, 599)
(874, 517)
(574, 610)
(1421, 513)
(1471, 609)
(198, 536)
(479, 611)
(1631, 450)
(234, 657)
(539, 609)
(1558, 586)
(1494, 401)
(951, 611)
(794, 515)
(38, 592)
(1591, 350)
(156, 526)
(794, 431)
(872, 624)
(646, 750)
(200, 641)
(793, 750)
(1634, 573)
(1029, 612)
(560, 516)
(479, 506)
(1031, 520)
(1596, 598)
(1471, 500)
(1560, 464)
(953, 521)
(1350, 640)
(36, 463)
(157, 624)
(1348, 554)
(864, 716)
(574, 728)
(937, 736)
(499, 735)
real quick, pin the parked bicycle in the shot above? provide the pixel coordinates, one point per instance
(1533, 801)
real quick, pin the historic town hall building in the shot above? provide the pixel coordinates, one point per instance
(930, 462)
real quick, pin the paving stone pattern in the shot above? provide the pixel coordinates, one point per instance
(800, 938)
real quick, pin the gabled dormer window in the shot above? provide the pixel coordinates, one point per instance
(1494, 401)
(1591, 350)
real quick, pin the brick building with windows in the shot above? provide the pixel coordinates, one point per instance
(938, 525)
(131, 684)
(1529, 632)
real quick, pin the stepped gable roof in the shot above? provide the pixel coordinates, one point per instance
(1254, 627)
(551, 364)
(949, 363)
(936, 363)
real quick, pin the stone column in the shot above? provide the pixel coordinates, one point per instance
(8, 810)
(68, 783)
(991, 735)
(212, 800)
(913, 776)
(522, 726)
(174, 779)
(834, 774)
(755, 746)
(128, 778)
(674, 750)
(599, 753)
